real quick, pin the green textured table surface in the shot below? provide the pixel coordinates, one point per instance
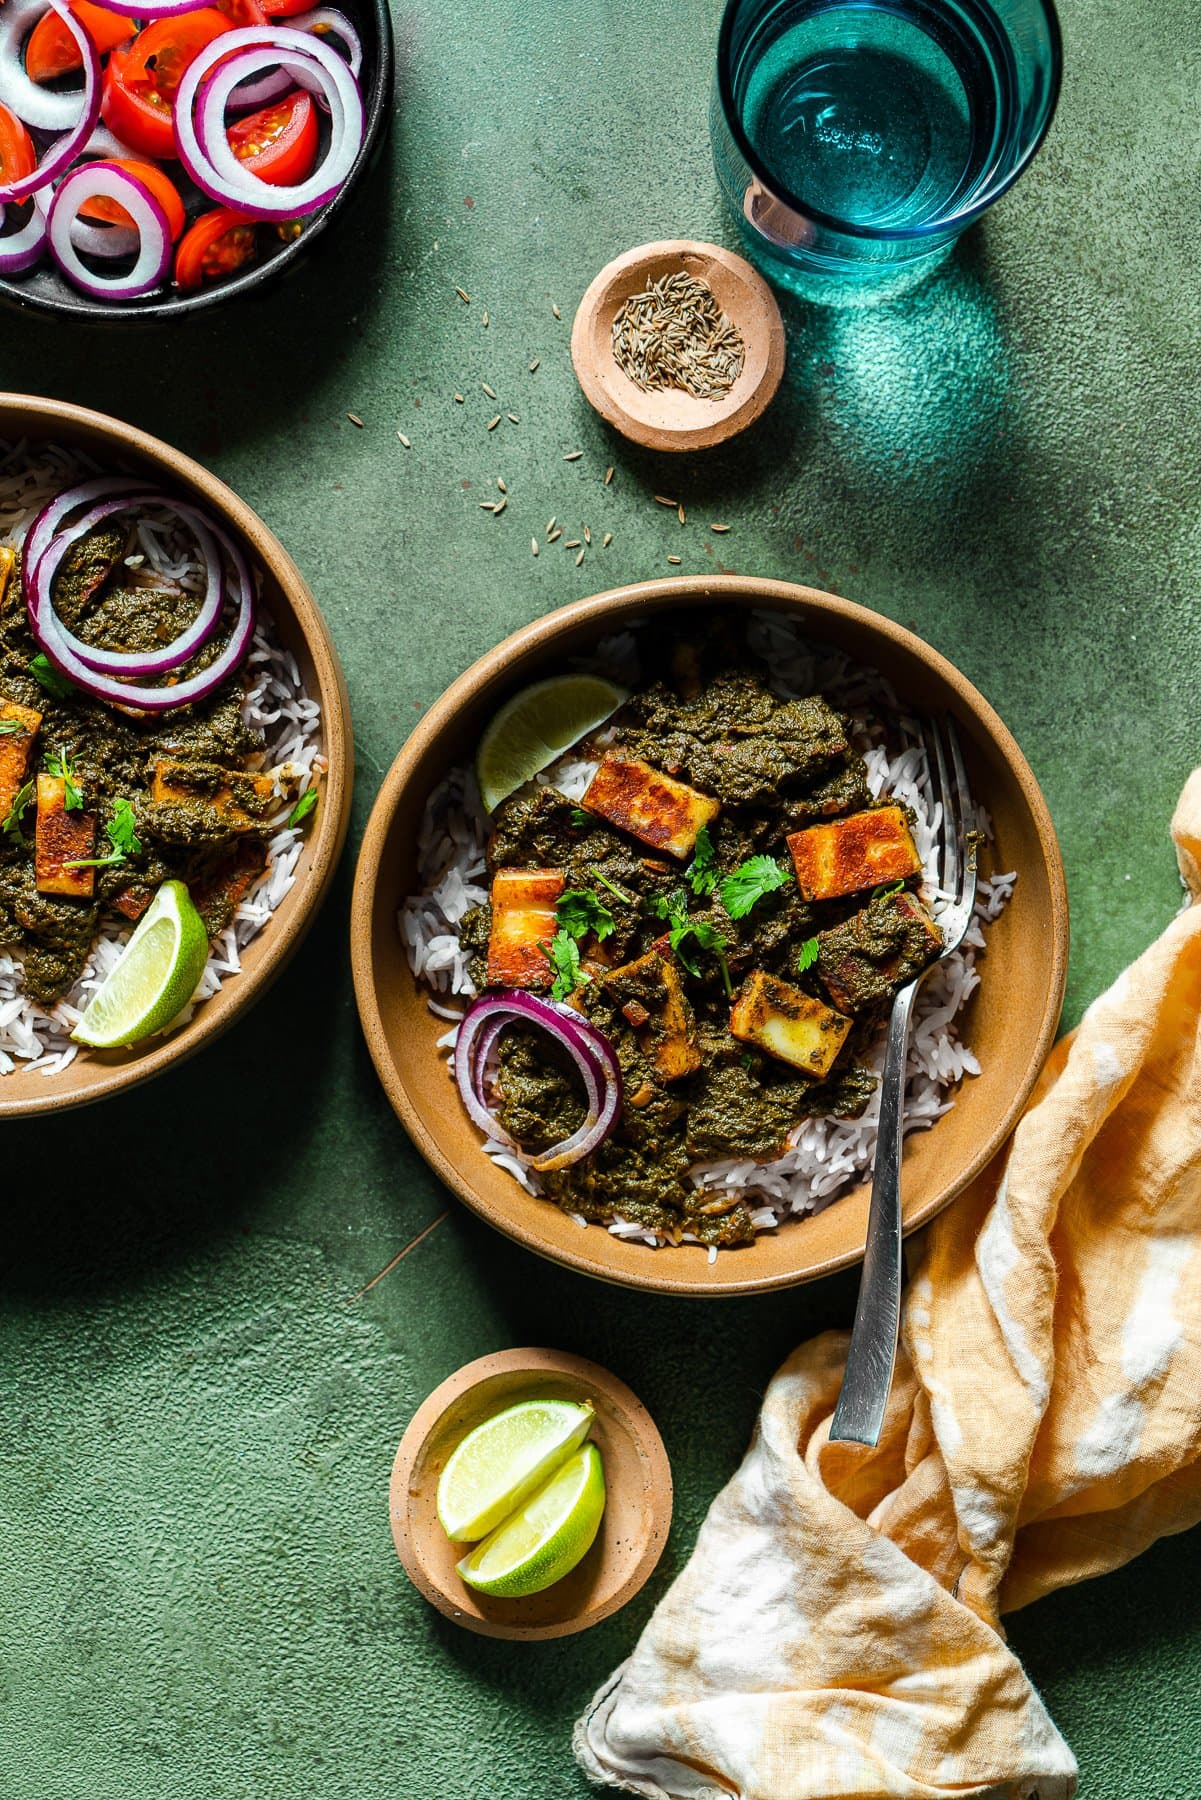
(198, 1593)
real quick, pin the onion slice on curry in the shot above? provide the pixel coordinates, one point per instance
(590, 1050)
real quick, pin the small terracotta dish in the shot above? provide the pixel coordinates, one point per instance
(671, 419)
(1010, 1022)
(638, 1488)
(115, 447)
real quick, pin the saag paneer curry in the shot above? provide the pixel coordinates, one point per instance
(730, 906)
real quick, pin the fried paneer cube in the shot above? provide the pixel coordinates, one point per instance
(8, 562)
(788, 1024)
(663, 812)
(62, 837)
(864, 961)
(652, 1000)
(19, 726)
(523, 924)
(851, 854)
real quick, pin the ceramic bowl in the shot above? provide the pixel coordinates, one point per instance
(44, 290)
(671, 419)
(1012, 1018)
(638, 1494)
(94, 1074)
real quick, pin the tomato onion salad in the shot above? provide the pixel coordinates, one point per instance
(152, 141)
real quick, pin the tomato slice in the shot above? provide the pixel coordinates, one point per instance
(278, 144)
(51, 50)
(161, 187)
(18, 157)
(284, 9)
(140, 83)
(243, 12)
(217, 245)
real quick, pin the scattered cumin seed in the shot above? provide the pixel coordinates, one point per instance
(491, 392)
(579, 559)
(572, 544)
(501, 504)
(587, 535)
(500, 484)
(355, 420)
(719, 527)
(458, 399)
(556, 533)
(606, 540)
(493, 423)
(533, 546)
(550, 527)
(486, 505)
(404, 440)
(680, 512)
(673, 559)
(608, 474)
(662, 500)
(465, 298)
(512, 418)
(573, 456)
(556, 311)
(485, 321)
(534, 364)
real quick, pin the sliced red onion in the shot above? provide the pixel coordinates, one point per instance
(142, 664)
(327, 21)
(154, 250)
(200, 127)
(155, 9)
(40, 107)
(21, 249)
(48, 521)
(104, 241)
(589, 1049)
(51, 636)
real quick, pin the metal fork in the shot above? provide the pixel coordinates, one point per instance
(870, 1359)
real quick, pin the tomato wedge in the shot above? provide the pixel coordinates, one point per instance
(142, 77)
(217, 245)
(161, 187)
(242, 12)
(278, 144)
(51, 50)
(18, 157)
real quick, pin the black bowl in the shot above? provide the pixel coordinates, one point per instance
(44, 290)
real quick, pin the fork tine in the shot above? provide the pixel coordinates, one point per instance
(966, 805)
(949, 871)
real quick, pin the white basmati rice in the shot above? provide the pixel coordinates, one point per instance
(825, 1156)
(276, 704)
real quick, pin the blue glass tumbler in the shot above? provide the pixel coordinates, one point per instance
(855, 140)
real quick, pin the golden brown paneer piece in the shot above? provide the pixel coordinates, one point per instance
(523, 922)
(851, 854)
(793, 1026)
(132, 902)
(663, 812)
(16, 747)
(666, 1026)
(8, 562)
(62, 837)
(169, 785)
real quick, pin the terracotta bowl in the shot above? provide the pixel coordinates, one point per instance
(638, 1494)
(1012, 1019)
(94, 1075)
(670, 419)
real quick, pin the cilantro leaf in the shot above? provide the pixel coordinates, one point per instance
(810, 951)
(701, 872)
(10, 727)
(44, 672)
(628, 899)
(707, 938)
(122, 834)
(563, 955)
(60, 764)
(743, 889)
(888, 887)
(16, 812)
(671, 906)
(579, 911)
(303, 807)
(579, 818)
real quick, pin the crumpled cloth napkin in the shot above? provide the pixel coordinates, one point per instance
(836, 1634)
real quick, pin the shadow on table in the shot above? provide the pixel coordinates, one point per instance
(99, 1198)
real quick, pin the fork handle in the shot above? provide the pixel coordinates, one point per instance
(868, 1375)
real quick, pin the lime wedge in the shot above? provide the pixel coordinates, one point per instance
(536, 726)
(548, 1537)
(501, 1462)
(156, 976)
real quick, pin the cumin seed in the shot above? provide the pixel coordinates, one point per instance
(719, 527)
(355, 420)
(512, 418)
(534, 364)
(500, 505)
(404, 440)
(673, 559)
(533, 546)
(608, 474)
(493, 423)
(500, 484)
(485, 321)
(572, 544)
(675, 335)
(556, 311)
(465, 298)
(491, 392)
(579, 559)
(587, 535)
(680, 512)
(556, 533)
(662, 500)
(606, 540)
(486, 506)
(573, 456)
(550, 527)
(458, 399)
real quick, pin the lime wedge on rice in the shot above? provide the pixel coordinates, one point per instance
(155, 977)
(499, 1464)
(536, 726)
(548, 1537)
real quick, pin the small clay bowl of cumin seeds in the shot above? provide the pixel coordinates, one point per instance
(678, 345)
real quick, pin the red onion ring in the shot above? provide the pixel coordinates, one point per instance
(327, 21)
(14, 15)
(155, 9)
(21, 249)
(154, 249)
(200, 128)
(143, 664)
(50, 635)
(323, 21)
(47, 522)
(590, 1050)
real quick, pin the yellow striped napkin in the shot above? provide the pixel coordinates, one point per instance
(836, 1635)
